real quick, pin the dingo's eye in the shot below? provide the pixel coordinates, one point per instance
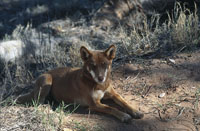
(104, 64)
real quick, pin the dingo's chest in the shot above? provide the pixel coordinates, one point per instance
(97, 94)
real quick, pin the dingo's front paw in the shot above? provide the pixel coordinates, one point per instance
(137, 115)
(125, 118)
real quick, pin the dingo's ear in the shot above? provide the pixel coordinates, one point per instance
(110, 52)
(85, 53)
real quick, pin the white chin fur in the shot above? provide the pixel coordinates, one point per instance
(95, 78)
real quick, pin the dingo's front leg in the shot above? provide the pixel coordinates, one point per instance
(120, 101)
(98, 106)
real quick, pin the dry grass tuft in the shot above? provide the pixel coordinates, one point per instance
(184, 26)
(180, 31)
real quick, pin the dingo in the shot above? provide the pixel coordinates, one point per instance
(85, 86)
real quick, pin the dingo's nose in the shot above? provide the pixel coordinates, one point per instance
(101, 78)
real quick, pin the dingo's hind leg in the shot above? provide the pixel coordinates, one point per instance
(40, 91)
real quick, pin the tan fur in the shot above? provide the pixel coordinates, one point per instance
(79, 86)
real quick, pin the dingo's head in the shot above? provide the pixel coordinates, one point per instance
(98, 63)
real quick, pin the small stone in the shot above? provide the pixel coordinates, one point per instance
(67, 129)
(161, 95)
(172, 61)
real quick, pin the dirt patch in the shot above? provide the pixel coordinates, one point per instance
(166, 90)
